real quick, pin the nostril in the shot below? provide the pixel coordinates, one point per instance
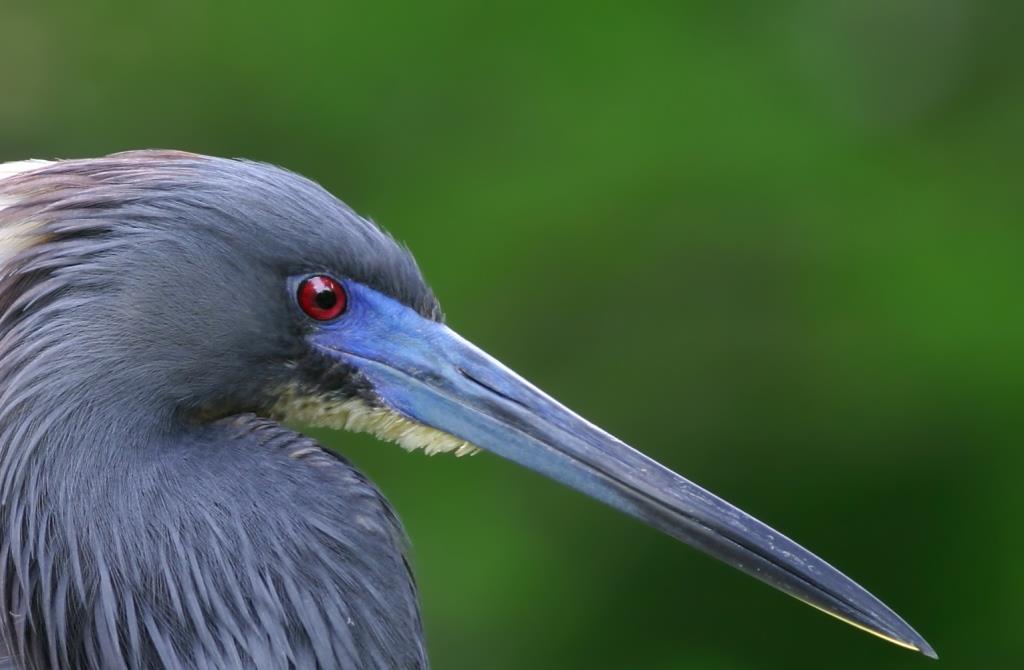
(498, 392)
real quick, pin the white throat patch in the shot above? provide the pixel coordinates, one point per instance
(356, 415)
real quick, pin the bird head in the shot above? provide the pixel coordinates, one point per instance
(210, 287)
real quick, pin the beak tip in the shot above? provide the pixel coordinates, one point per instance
(926, 649)
(913, 641)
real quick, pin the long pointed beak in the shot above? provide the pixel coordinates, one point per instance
(429, 374)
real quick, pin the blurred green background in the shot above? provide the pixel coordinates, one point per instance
(777, 246)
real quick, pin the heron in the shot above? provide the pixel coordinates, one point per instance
(164, 316)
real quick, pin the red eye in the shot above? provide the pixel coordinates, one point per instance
(322, 297)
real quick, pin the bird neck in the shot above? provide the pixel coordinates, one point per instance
(86, 434)
(151, 539)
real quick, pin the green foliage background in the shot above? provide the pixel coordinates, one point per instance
(777, 246)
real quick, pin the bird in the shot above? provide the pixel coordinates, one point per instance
(164, 316)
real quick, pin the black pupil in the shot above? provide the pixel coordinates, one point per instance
(325, 298)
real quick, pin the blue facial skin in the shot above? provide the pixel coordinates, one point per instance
(428, 373)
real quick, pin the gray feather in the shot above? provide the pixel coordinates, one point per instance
(149, 517)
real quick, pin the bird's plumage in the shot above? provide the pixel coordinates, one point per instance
(139, 528)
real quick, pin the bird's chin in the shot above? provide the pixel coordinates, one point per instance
(359, 415)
